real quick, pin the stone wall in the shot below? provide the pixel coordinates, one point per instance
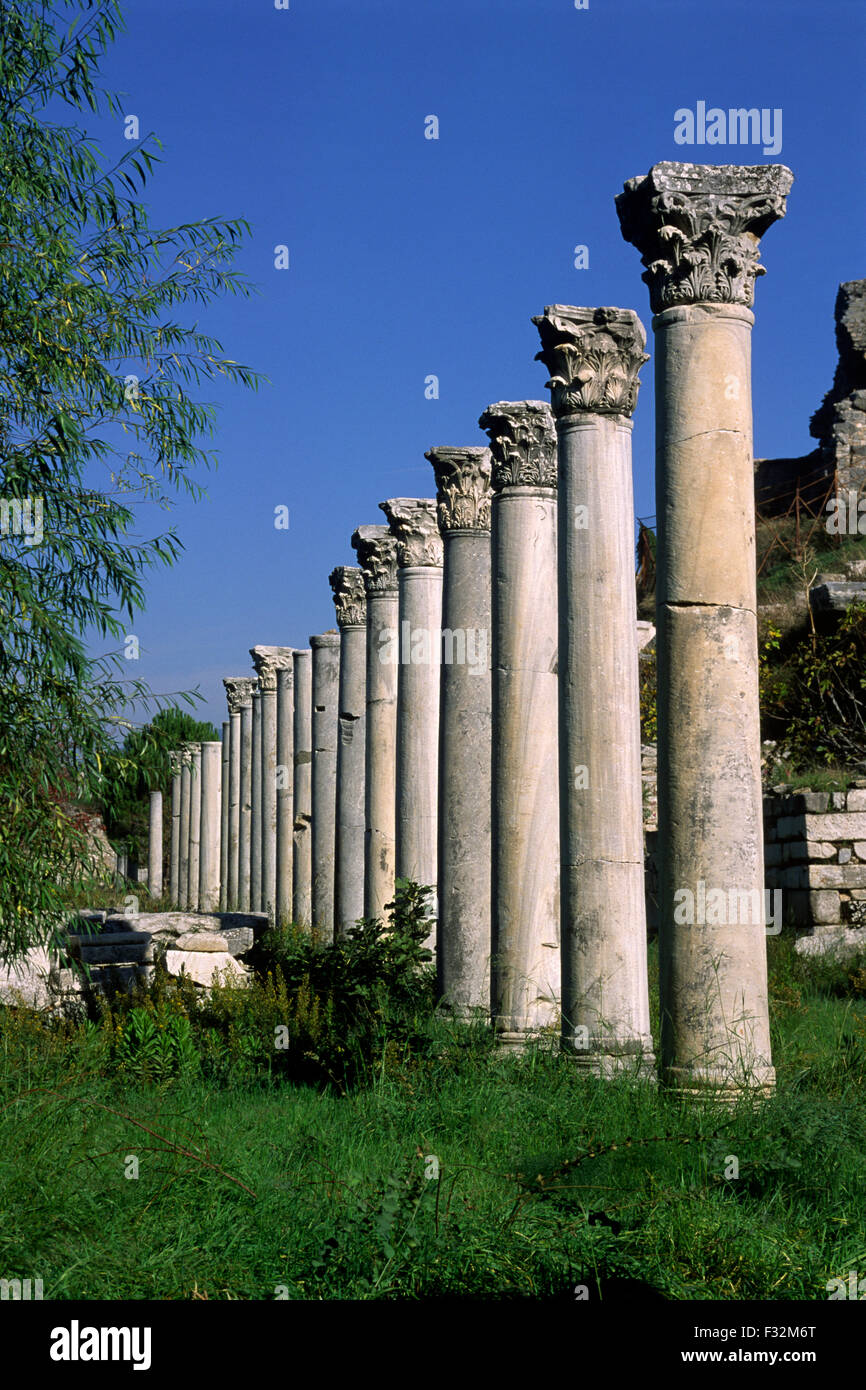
(815, 852)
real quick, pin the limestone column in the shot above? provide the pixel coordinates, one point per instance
(194, 826)
(245, 817)
(211, 815)
(348, 587)
(285, 791)
(185, 755)
(697, 228)
(376, 549)
(174, 869)
(154, 846)
(302, 866)
(239, 698)
(267, 661)
(255, 903)
(525, 968)
(224, 815)
(593, 357)
(463, 953)
(419, 577)
(326, 680)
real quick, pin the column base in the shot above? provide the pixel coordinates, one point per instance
(704, 1084)
(628, 1060)
(517, 1041)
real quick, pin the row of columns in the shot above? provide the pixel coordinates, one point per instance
(474, 723)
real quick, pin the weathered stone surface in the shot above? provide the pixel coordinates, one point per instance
(860, 849)
(350, 601)
(593, 357)
(697, 227)
(201, 941)
(376, 549)
(836, 597)
(204, 966)
(414, 526)
(463, 951)
(857, 799)
(27, 981)
(850, 826)
(522, 444)
(326, 680)
(842, 943)
(839, 424)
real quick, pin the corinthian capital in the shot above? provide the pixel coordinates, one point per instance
(463, 487)
(522, 444)
(413, 525)
(593, 356)
(376, 550)
(697, 227)
(268, 661)
(347, 583)
(239, 692)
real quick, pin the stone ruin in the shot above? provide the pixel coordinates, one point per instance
(473, 723)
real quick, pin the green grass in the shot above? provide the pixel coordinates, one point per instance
(348, 1202)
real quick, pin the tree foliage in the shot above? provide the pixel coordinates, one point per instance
(99, 414)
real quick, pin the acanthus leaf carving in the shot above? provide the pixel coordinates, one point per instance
(269, 660)
(350, 599)
(376, 549)
(239, 692)
(413, 524)
(697, 227)
(463, 487)
(593, 357)
(522, 444)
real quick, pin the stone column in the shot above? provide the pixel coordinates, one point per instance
(348, 587)
(224, 815)
(154, 846)
(174, 868)
(376, 549)
(593, 357)
(185, 756)
(194, 826)
(285, 791)
(463, 955)
(326, 679)
(239, 697)
(525, 968)
(211, 815)
(419, 576)
(302, 864)
(245, 817)
(267, 661)
(697, 228)
(255, 904)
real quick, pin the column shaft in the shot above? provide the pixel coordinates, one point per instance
(234, 809)
(256, 807)
(303, 755)
(154, 846)
(285, 792)
(245, 818)
(326, 677)
(349, 831)
(224, 816)
(211, 815)
(174, 870)
(194, 827)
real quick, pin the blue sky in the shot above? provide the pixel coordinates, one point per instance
(411, 257)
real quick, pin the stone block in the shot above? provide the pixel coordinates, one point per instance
(845, 855)
(843, 943)
(857, 799)
(203, 966)
(201, 941)
(838, 800)
(824, 907)
(836, 875)
(860, 849)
